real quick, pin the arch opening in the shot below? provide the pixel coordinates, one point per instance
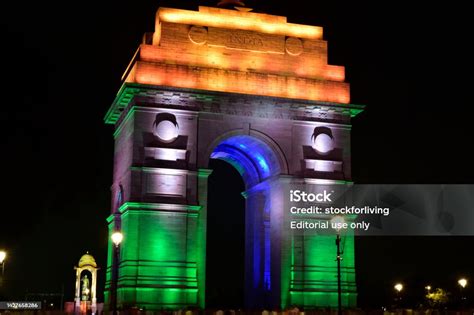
(225, 238)
(255, 161)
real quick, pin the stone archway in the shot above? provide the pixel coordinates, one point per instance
(258, 163)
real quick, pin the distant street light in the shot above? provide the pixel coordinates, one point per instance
(117, 238)
(398, 287)
(3, 255)
(428, 295)
(338, 221)
(462, 283)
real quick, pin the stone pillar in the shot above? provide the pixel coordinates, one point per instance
(203, 176)
(77, 296)
(257, 276)
(94, 291)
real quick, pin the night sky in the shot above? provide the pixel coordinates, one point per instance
(62, 63)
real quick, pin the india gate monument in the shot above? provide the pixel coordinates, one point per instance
(257, 92)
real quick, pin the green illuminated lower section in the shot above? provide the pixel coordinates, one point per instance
(313, 273)
(108, 273)
(157, 258)
(162, 261)
(157, 298)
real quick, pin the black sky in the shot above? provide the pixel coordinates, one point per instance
(62, 62)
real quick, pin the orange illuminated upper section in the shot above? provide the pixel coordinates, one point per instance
(221, 18)
(240, 52)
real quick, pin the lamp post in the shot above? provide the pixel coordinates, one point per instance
(337, 222)
(117, 238)
(462, 284)
(398, 288)
(428, 294)
(3, 255)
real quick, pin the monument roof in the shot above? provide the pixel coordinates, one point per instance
(87, 260)
(238, 52)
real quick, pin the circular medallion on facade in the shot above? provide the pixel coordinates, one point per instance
(198, 35)
(166, 130)
(294, 46)
(323, 143)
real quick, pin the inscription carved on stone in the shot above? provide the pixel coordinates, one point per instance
(245, 40)
(198, 35)
(294, 46)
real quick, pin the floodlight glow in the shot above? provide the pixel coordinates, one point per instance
(117, 238)
(3, 255)
(211, 17)
(398, 287)
(462, 282)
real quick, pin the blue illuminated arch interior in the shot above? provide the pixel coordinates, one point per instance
(253, 158)
(256, 161)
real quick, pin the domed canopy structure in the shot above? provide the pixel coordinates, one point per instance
(87, 260)
(86, 292)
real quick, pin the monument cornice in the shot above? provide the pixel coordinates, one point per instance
(132, 94)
